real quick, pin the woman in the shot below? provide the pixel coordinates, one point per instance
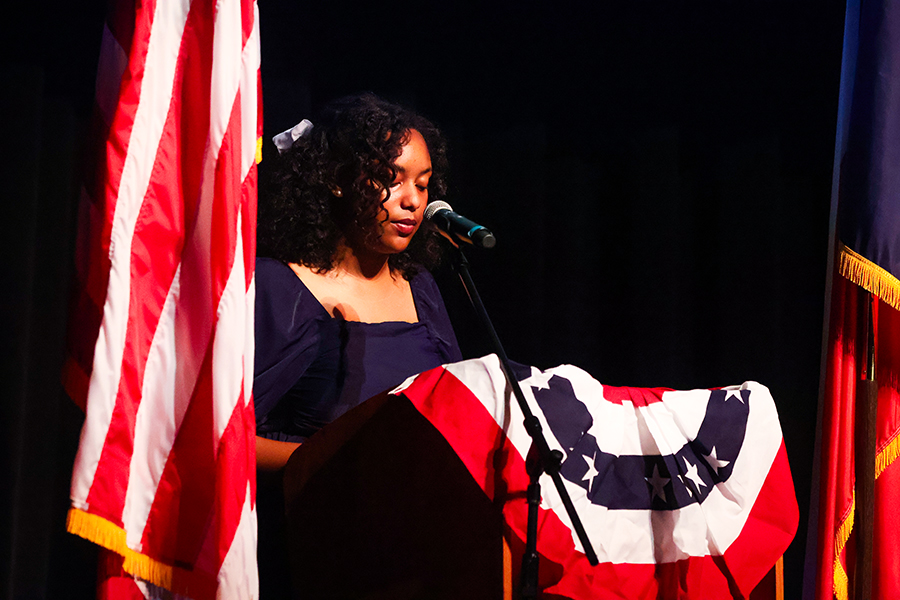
(344, 307)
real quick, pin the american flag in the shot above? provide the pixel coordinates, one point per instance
(161, 335)
(684, 494)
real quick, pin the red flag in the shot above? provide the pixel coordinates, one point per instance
(837, 506)
(684, 494)
(161, 336)
(866, 234)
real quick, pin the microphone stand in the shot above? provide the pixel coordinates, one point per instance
(544, 460)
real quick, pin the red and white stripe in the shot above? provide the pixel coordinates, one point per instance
(166, 268)
(701, 551)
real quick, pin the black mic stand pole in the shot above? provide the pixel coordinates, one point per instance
(548, 461)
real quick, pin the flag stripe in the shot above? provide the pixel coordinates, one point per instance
(154, 227)
(761, 542)
(156, 422)
(217, 225)
(251, 122)
(97, 203)
(235, 466)
(229, 330)
(152, 108)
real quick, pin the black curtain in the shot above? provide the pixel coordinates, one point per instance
(657, 174)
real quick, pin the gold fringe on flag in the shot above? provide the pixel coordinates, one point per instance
(98, 530)
(869, 276)
(841, 580)
(888, 455)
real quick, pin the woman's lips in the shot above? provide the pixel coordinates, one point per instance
(405, 227)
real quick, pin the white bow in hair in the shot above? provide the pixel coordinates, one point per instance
(284, 140)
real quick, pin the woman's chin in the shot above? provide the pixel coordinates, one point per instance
(396, 248)
(385, 250)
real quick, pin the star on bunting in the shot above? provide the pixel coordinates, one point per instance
(538, 379)
(692, 474)
(591, 472)
(713, 461)
(734, 393)
(658, 483)
(686, 486)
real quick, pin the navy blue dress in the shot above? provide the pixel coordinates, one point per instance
(311, 368)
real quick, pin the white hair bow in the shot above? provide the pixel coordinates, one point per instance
(284, 140)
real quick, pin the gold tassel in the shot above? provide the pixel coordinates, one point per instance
(841, 581)
(144, 567)
(887, 456)
(870, 276)
(98, 530)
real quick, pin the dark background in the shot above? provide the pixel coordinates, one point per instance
(658, 176)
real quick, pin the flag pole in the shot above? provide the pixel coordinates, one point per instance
(866, 415)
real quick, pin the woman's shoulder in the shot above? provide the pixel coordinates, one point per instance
(280, 295)
(289, 326)
(271, 269)
(423, 282)
(426, 294)
(278, 277)
(432, 312)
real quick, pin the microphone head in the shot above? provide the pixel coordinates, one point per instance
(435, 206)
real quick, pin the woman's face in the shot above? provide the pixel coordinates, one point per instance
(403, 212)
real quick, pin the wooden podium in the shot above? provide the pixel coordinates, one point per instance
(379, 506)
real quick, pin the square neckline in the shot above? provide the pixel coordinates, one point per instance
(324, 310)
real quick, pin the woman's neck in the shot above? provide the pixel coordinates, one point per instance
(361, 287)
(362, 264)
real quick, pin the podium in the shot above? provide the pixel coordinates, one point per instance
(378, 505)
(402, 496)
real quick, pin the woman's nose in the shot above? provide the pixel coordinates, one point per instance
(411, 197)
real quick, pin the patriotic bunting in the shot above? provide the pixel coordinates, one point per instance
(684, 494)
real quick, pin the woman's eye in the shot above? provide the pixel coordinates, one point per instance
(395, 184)
(422, 188)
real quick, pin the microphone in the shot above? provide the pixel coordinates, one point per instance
(442, 215)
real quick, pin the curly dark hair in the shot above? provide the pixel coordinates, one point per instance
(352, 148)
